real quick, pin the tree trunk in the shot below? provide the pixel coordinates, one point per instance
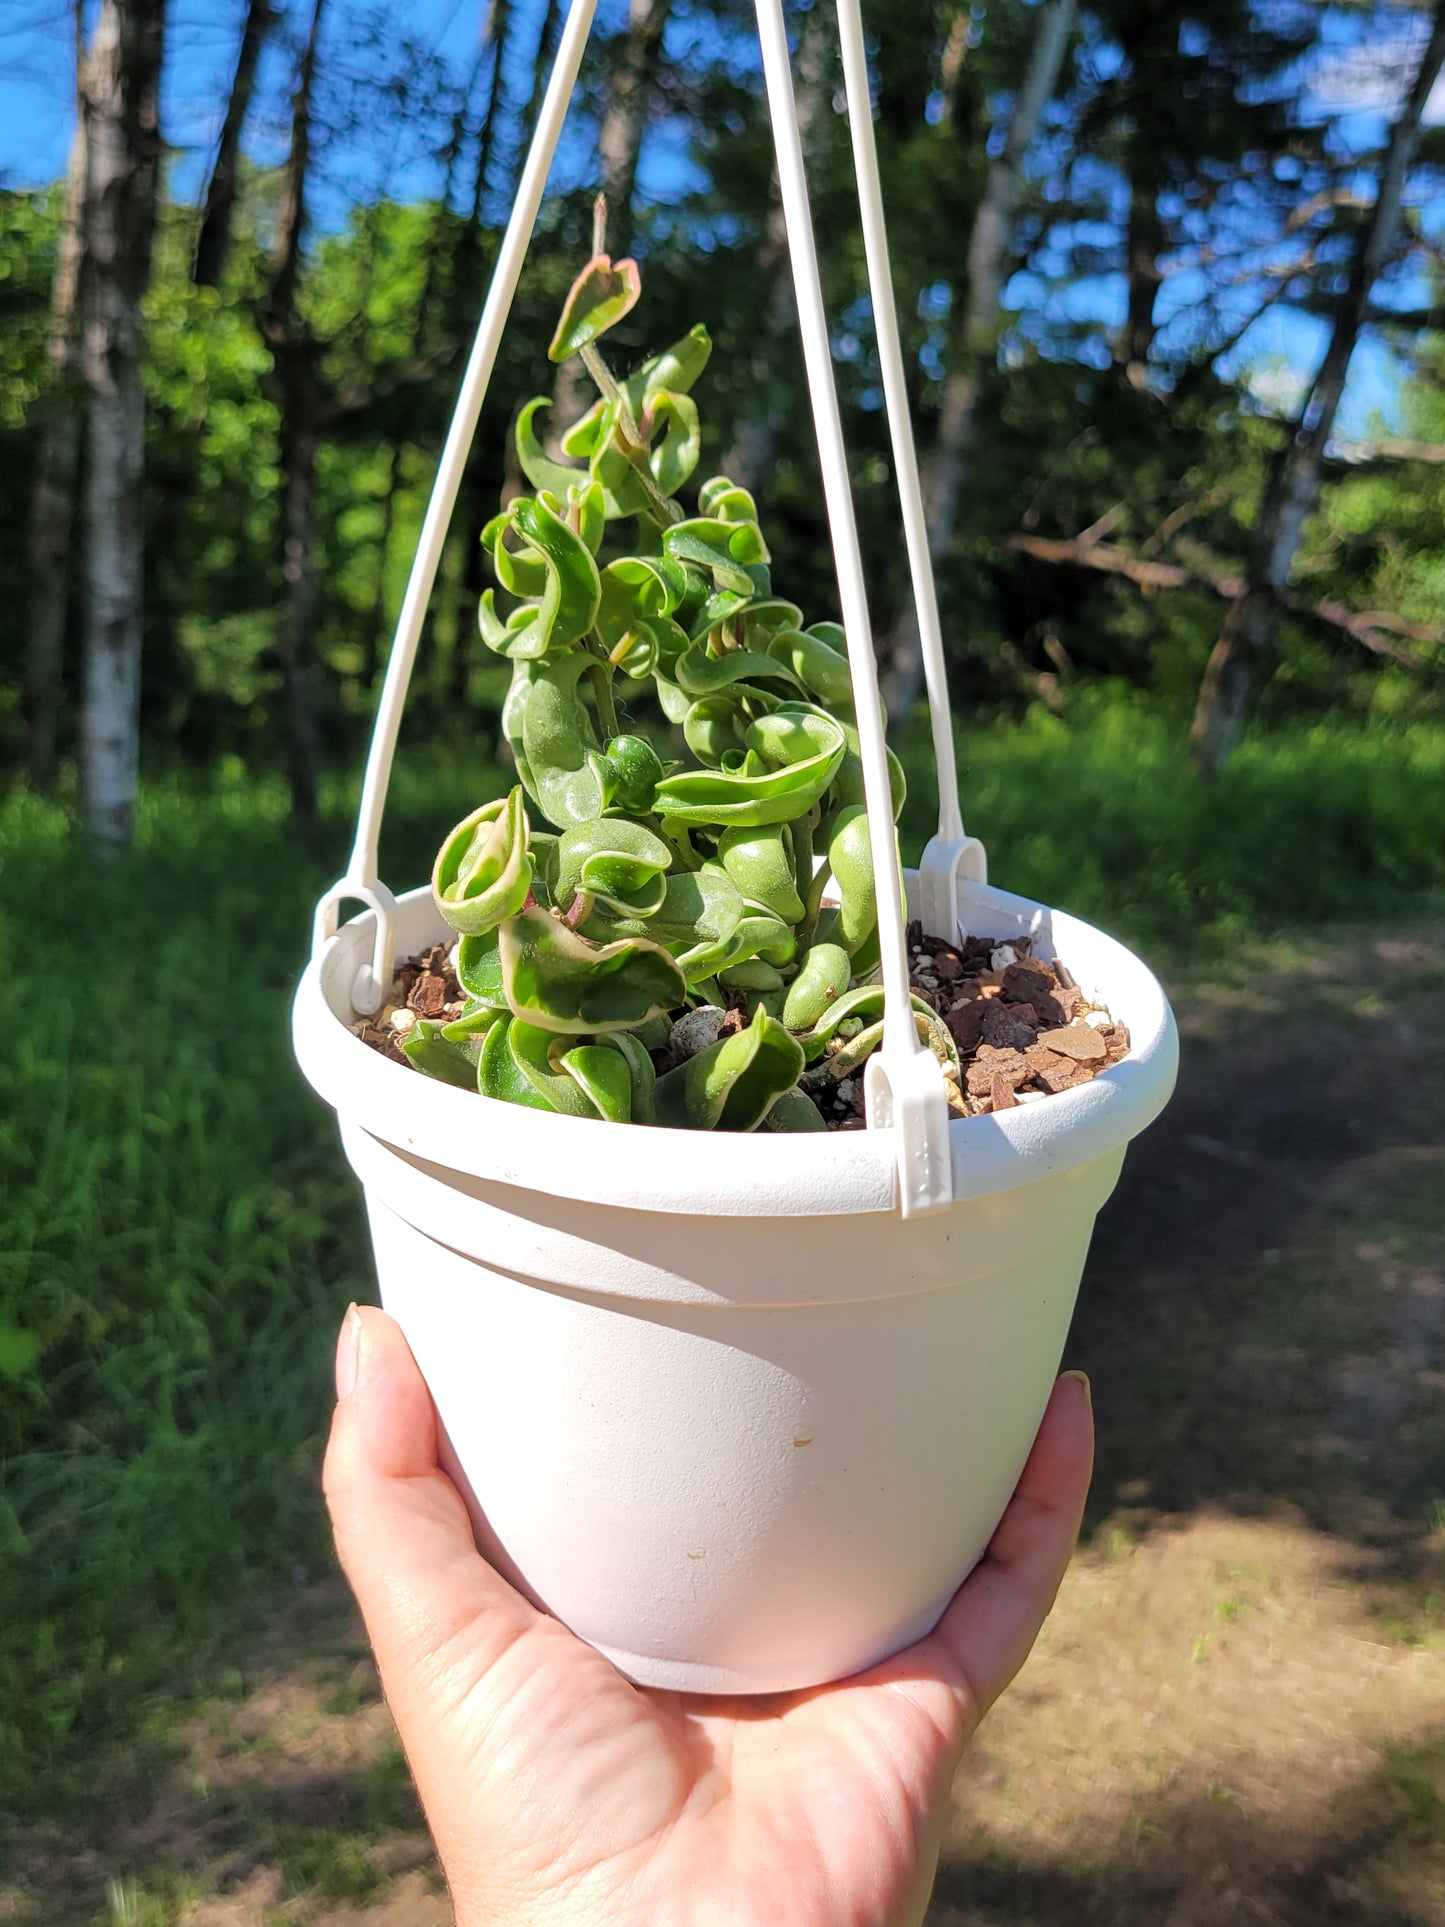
(297, 384)
(122, 81)
(379, 628)
(1294, 479)
(57, 468)
(750, 458)
(214, 241)
(629, 94)
(1145, 244)
(546, 49)
(498, 26)
(300, 439)
(975, 332)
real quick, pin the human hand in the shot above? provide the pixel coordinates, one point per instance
(560, 1795)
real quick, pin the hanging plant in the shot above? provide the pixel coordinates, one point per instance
(612, 893)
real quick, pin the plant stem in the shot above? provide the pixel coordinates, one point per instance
(802, 834)
(687, 857)
(611, 389)
(631, 444)
(813, 903)
(600, 677)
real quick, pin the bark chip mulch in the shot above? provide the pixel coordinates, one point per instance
(1022, 1027)
(424, 986)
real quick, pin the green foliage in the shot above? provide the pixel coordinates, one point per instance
(1096, 811)
(661, 884)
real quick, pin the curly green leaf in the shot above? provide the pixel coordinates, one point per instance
(733, 1084)
(479, 971)
(483, 872)
(500, 1076)
(636, 772)
(751, 799)
(428, 1048)
(725, 548)
(601, 295)
(760, 863)
(817, 668)
(676, 368)
(573, 588)
(850, 857)
(822, 978)
(557, 980)
(620, 863)
(533, 1052)
(794, 1111)
(538, 467)
(697, 905)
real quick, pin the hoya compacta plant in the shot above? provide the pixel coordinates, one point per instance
(615, 910)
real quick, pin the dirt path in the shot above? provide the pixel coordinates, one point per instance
(1237, 1712)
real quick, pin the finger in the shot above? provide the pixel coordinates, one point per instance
(990, 1628)
(402, 1531)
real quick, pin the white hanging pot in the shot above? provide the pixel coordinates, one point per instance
(714, 1404)
(741, 1410)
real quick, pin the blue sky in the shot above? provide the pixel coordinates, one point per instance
(36, 117)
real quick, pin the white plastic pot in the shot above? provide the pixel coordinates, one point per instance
(713, 1403)
(740, 1410)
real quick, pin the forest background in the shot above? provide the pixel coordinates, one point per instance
(1169, 279)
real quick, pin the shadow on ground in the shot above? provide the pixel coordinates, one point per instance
(1371, 1859)
(1264, 1308)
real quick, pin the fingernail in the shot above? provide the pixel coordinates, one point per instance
(348, 1352)
(1083, 1379)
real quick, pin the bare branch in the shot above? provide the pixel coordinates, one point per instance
(1330, 614)
(1358, 453)
(1106, 525)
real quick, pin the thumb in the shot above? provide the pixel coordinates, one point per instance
(402, 1532)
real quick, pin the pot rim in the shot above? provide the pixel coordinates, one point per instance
(730, 1174)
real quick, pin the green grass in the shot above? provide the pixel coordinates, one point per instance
(179, 1242)
(180, 1236)
(1102, 815)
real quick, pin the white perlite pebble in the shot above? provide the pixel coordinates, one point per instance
(1099, 1019)
(697, 1031)
(847, 1089)
(1003, 957)
(1029, 1097)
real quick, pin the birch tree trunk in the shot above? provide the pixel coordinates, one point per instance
(122, 80)
(1294, 479)
(57, 472)
(975, 333)
(629, 98)
(214, 241)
